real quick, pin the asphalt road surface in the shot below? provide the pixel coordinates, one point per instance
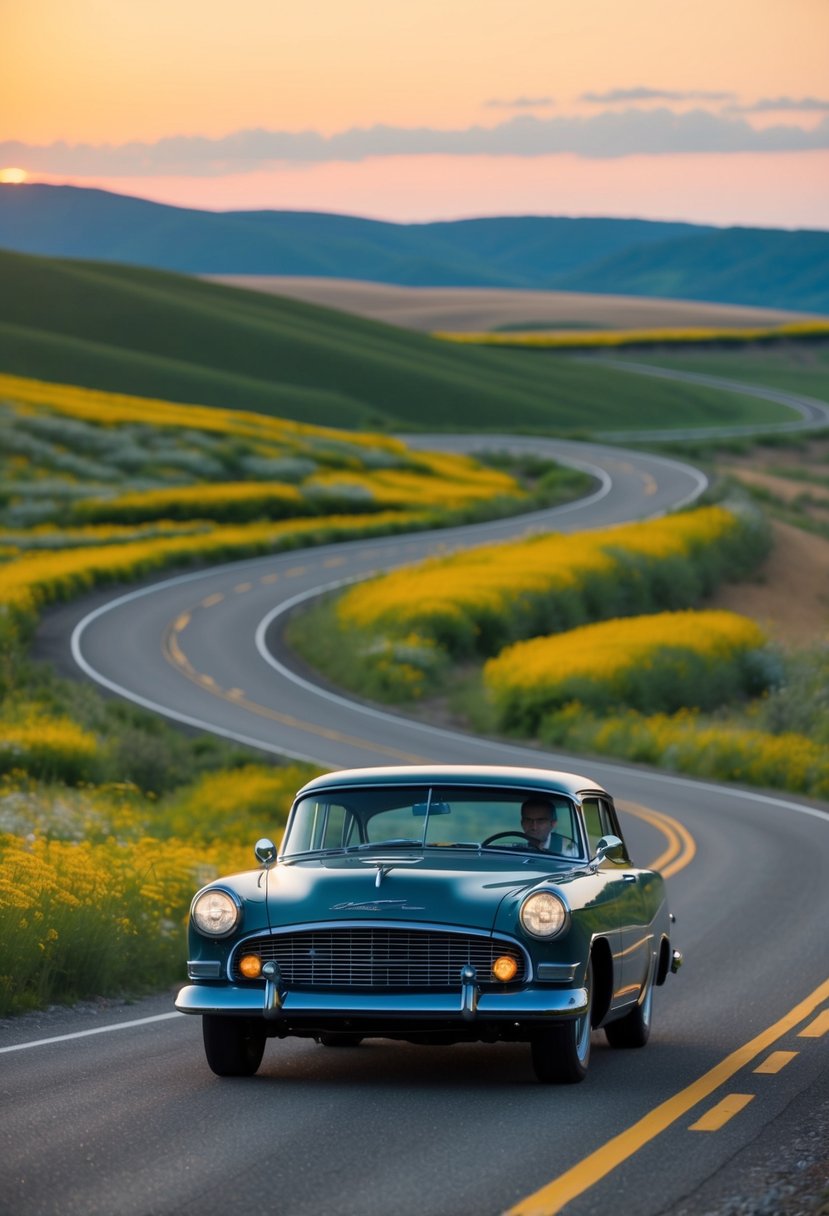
(114, 1111)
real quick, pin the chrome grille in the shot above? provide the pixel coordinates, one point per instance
(369, 957)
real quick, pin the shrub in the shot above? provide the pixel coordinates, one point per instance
(651, 663)
(475, 603)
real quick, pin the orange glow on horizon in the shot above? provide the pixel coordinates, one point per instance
(12, 176)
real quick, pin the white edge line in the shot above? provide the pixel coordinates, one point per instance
(82, 1034)
(192, 576)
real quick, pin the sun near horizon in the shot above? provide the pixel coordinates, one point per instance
(13, 176)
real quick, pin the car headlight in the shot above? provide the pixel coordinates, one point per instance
(543, 914)
(215, 913)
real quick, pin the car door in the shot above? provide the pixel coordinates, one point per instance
(631, 955)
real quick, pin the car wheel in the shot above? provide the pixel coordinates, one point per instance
(634, 1029)
(339, 1038)
(234, 1047)
(561, 1053)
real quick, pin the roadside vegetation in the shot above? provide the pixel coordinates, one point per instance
(709, 336)
(109, 819)
(599, 643)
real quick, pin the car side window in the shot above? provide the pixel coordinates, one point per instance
(598, 820)
(336, 828)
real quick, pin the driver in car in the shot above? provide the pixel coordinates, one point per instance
(539, 818)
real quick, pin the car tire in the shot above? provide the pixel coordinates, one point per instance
(561, 1053)
(233, 1046)
(339, 1038)
(634, 1029)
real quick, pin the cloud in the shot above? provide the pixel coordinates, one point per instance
(520, 103)
(642, 93)
(768, 105)
(611, 134)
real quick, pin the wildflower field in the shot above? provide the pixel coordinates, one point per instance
(96, 881)
(620, 338)
(662, 662)
(97, 486)
(477, 602)
(599, 643)
(109, 819)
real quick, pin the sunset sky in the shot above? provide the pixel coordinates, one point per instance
(708, 110)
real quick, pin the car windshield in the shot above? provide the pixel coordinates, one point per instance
(461, 817)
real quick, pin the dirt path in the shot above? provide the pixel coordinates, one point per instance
(791, 602)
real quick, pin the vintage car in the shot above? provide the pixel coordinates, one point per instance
(434, 905)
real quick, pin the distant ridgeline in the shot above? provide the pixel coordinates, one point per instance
(752, 266)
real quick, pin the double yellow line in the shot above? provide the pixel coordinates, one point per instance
(553, 1197)
(681, 847)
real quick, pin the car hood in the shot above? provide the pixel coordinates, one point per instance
(461, 889)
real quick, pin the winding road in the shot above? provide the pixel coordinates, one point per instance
(117, 1113)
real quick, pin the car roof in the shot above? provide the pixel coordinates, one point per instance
(455, 774)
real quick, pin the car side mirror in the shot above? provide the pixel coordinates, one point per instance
(265, 851)
(610, 847)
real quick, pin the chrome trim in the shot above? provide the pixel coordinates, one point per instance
(562, 973)
(274, 994)
(265, 851)
(407, 925)
(204, 969)
(677, 960)
(470, 992)
(234, 1000)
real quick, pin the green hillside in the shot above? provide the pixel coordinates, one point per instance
(750, 265)
(153, 333)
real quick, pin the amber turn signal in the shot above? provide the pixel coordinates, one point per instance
(504, 968)
(251, 966)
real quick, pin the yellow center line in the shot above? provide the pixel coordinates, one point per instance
(681, 848)
(777, 1060)
(176, 657)
(816, 1029)
(240, 588)
(586, 1173)
(719, 1115)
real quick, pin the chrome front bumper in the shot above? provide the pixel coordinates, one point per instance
(465, 1005)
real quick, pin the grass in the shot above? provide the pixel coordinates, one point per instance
(797, 463)
(797, 367)
(154, 334)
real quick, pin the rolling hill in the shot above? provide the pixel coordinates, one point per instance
(766, 268)
(156, 334)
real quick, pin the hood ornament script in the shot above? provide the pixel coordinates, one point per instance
(377, 905)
